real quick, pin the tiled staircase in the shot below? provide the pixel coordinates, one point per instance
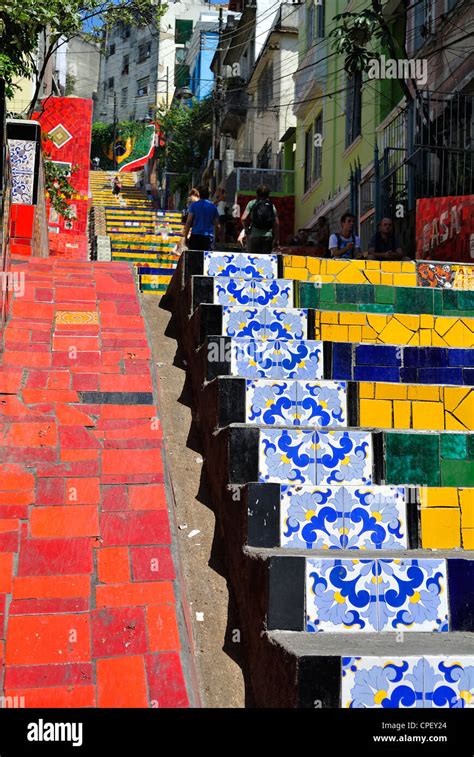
(335, 423)
(137, 234)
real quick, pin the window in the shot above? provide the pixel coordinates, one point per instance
(308, 146)
(265, 88)
(125, 61)
(309, 25)
(181, 75)
(112, 49)
(124, 97)
(320, 19)
(353, 107)
(424, 18)
(142, 87)
(110, 82)
(144, 52)
(126, 31)
(317, 148)
(183, 31)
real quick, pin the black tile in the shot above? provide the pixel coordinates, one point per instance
(243, 454)
(311, 323)
(263, 515)
(327, 359)
(217, 354)
(319, 682)
(202, 288)
(193, 263)
(461, 594)
(352, 403)
(378, 455)
(231, 400)
(210, 321)
(412, 517)
(286, 594)
(116, 398)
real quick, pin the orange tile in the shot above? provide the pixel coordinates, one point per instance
(163, 634)
(113, 565)
(51, 587)
(6, 571)
(77, 520)
(139, 593)
(121, 682)
(56, 696)
(7, 525)
(83, 491)
(43, 639)
(149, 497)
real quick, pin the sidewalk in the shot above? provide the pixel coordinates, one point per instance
(90, 604)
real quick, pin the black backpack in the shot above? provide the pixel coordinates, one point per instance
(262, 215)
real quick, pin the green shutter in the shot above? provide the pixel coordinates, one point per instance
(183, 31)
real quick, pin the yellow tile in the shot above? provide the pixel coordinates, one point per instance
(404, 279)
(353, 319)
(436, 339)
(427, 392)
(428, 416)
(336, 266)
(300, 261)
(452, 423)
(391, 266)
(299, 274)
(468, 538)
(377, 321)
(440, 528)
(459, 335)
(466, 497)
(465, 411)
(329, 316)
(355, 333)
(415, 340)
(368, 334)
(443, 324)
(366, 390)
(314, 265)
(412, 322)
(437, 496)
(375, 413)
(287, 260)
(453, 395)
(351, 276)
(334, 333)
(387, 278)
(395, 333)
(408, 267)
(401, 414)
(373, 264)
(391, 391)
(373, 276)
(426, 321)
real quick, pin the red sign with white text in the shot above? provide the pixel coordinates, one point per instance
(445, 228)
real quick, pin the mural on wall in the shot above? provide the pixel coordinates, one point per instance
(134, 146)
(445, 228)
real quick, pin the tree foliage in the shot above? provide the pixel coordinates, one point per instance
(26, 23)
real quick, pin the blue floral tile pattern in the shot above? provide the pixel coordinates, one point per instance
(374, 517)
(342, 517)
(286, 323)
(343, 457)
(311, 517)
(287, 455)
(232, 291)
(279, 359)
(271, 403)
(412, 595)
(373, 682)
(259, 293)
(240, 264)
(449, 682)
(322, 404)
(22, 161)
(376, 595)
(415, 682)
(341, 596)
(240, 321)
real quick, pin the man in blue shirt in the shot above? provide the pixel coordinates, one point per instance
(203, 221)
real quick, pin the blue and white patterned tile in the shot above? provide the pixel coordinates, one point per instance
(270, 403)
(286, 323)
(253, 358)
(232, 291)
(343, 457)
(322, 404)
(221, 264)
(380, 682)
(449, 682)
(286, 456)
(22, 154)
(375, 517)
(412, 595)
(258, 266)
(341, 596)
(311, 517)
(240, 321)
(273, 292)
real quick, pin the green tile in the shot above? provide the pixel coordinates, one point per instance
(466, 300)
(470, 447)
(457, 473)
(384, 293)
(414, 300)
(376, 307)
(346, 306)
(450, 299)
(454, 446)
(412, 459)
(355, 293)
(438, 301)
(308, 295)
(328, 293)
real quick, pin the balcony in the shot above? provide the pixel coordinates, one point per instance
(311, 75)
(234, 107)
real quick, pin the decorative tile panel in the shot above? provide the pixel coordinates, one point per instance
(278, 359)
(322, 404)
(287, 455)
(22, 162)
(271, 403)
(265, 323)
(240, 264)
(343, 457)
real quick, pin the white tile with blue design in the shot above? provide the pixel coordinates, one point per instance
(241, 264)
(267, 323)
(276, 359)
(296, 403)
(257, 292)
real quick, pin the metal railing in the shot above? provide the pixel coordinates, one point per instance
(278, 180)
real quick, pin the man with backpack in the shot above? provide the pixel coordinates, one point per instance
(260, 220)
(346, 245)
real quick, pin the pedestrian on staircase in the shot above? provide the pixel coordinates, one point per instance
(202, 221)
(116, 186)
(261, 224)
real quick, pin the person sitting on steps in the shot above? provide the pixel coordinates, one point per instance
(346, 245)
